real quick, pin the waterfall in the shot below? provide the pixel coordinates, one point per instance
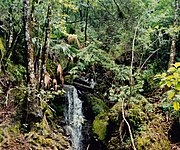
(73, 116)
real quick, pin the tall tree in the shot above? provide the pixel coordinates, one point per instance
(28, 41)
(86, 21)
(47, 39)
(174, 38)
(81, 14)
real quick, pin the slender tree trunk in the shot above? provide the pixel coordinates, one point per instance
(81, 14)
(86, 25)
(174, 38)
(47, 41)
(120, 14)
(12, 47)
(29, 47)
(31, 111)
(38, 67)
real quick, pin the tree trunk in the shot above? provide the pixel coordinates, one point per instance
(10, 49)
(47, 41)
(174, 38)
(28, 41)
(31, 111)
(120, 13)
(87, 11)
(81, 14)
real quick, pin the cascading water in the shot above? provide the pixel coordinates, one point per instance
(73, 116)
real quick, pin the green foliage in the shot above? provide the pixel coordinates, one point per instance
(111, 26)
(17, 72)
(153, 136)
(45, 98)
(171, 80)
(147, 76)
(117, 93)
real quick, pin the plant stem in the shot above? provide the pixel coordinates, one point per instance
(129, 128)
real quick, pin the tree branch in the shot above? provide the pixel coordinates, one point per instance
(129, 128)
(148, 59)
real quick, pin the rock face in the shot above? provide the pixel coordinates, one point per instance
(101, 127)
(106, 127)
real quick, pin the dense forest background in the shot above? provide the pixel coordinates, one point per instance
(123, 56)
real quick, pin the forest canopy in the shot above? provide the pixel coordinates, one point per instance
(122, 56)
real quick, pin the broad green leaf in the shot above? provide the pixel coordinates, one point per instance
(169, 84)
(162, 85)
(178, 87)
(169, 77)
(176, 106)
(171, 69)
(177, 64)
(176, 75)
(158, 76)
(171, 94)
(163, 75)
(156, 27)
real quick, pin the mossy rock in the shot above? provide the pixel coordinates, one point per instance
(100, 126)
(97, 105)
(115, 114)
(153, 135)
(106, 123)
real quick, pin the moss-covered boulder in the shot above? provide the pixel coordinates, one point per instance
(97, 105)
(115, 121)
(100, 126)
(115, 114)
(153, 135)
(107, 123)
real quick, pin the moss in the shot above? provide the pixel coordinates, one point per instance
(100, 126)
(37, 138)
(107, 123)
(2, 49)
(115, 113)
(153, 136)
(97, 105)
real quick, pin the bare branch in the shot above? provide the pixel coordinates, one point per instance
(129, 128)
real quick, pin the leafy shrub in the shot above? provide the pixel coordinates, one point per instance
(171, 81)
(17, 72)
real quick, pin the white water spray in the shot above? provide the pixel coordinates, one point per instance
(73, 116)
